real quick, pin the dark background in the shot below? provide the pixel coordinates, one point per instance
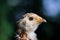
(10, 12)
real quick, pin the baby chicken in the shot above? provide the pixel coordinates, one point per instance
(28, 24)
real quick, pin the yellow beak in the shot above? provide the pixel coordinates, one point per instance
(40, 20)
(44, 20)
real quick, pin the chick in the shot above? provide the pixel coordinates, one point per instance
(29, 23)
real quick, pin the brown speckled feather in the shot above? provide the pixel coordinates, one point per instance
(27, 25)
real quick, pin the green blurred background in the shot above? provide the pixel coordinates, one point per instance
(6, 27)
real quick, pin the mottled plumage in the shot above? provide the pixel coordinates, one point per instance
(27, 25)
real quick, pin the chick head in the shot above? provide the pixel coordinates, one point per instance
(30, 21)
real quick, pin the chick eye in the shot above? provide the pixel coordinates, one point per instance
(30, 18)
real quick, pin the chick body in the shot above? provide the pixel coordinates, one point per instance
(30, 23)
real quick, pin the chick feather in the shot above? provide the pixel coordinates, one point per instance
(28, 25)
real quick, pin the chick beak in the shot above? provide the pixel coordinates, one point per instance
(40, 20)
(43, 20)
